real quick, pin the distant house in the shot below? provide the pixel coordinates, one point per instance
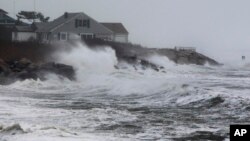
(5, 19)
(72, 26)
(24, 33)
(11, 30)
(120, 34)
(6, 25)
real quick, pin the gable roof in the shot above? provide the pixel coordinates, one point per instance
(2, 11)
(24, 28)
(116, 27)
(5, 19)
(60, 21)
(47, 27)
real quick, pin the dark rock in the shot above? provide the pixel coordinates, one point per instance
(207, 103)
(215, 101)
(19, 65)
(144, 63)
(27, 75)
(23, 69)
(186, 57)
(131, 52)
(4, 69)
(60, 69)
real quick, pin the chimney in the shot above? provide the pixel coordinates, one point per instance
(66, 15)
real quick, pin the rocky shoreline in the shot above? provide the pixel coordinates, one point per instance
(128, 50)
(11, 71)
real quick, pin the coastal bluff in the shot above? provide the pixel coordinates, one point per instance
(128, 50)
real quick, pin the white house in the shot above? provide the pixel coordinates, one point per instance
(24, 33)
(70, 25)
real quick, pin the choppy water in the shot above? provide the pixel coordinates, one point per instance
(185, 103)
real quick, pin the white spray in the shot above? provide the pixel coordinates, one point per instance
(86, 60)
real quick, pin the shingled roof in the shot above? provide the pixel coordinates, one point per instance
(116, 27)
(47, 27)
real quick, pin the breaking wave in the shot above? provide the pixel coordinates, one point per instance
(185, 102)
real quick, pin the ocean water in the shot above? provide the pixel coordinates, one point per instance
(183, 102)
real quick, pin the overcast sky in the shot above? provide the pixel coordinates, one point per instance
(218, 28)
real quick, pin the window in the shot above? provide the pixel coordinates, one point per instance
(85, 36)
(63, 36)
(86, 23)
(82, 23)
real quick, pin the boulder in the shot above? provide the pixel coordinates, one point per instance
(27, 75)
(19, 65)
(24, 69)
(60, 69)
(141, 62)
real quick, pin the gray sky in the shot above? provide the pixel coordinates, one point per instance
(218, 28)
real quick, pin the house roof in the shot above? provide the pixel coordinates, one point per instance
(24, 28)
(5, 19)
(60, 21)
(116, 27)
(2, 11)
(47, 27)
(40, 26)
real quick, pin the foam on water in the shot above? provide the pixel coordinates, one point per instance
(125, 104)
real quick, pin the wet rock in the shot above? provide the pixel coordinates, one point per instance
(141, 62)
(19, 65)
(215, 101)
(206, 103)
(23, 69)
(27, 75)
(131, 52)
(4, 69)
(60, 69)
